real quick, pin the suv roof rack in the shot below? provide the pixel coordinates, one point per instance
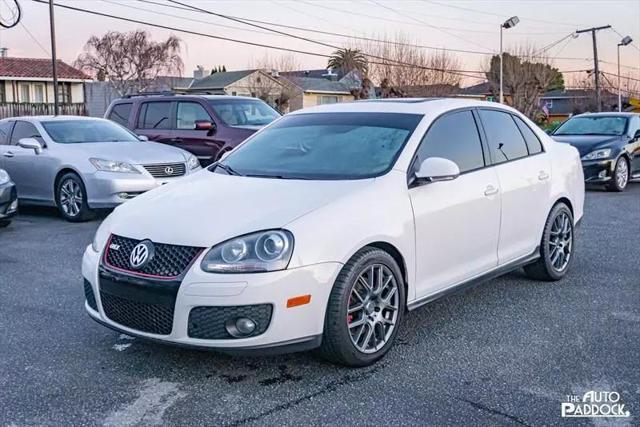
(170, 93)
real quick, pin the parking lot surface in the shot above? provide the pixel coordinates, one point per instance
(505, 353)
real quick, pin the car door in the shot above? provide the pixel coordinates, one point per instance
(524, 174)
(5, 134)
(155, 121)
(457, 222)
(633, 147)
(202, 143)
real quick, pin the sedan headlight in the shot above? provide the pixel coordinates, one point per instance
(4, 177)
(113, 166)
(193, 162)
(605, 153)
(252, 253)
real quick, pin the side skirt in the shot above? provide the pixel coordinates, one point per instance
(462, 286)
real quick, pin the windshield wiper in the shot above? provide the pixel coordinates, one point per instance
(228, 169)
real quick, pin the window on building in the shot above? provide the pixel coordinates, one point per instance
(505, 140)
(120, 113)
(329, 99)
(38, 93)
(155, 115)
(190, 112)
(24, 92)
(64, 93)
(3, 92)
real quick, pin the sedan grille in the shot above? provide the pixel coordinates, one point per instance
(169, 261)
(166, 170)
(151, 318)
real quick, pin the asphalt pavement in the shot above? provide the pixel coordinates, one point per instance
(504, 353)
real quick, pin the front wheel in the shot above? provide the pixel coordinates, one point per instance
(620, 177)
(365, 309)
(71, 198)
(556, 246)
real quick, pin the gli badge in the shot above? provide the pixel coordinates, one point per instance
(141, 254)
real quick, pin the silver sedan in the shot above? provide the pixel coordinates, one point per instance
(79, 164)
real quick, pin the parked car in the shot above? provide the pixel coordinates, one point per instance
(609, 144)
(206, 125)
(323, 228)
(80, 164)
(8, 199)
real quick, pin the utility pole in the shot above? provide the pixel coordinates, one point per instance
(595, 59)
(54, 60)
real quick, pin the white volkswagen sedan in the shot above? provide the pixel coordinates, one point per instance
(325, 227)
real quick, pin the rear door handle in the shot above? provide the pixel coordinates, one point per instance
(177, 140)
(8, 154)
(490, 190)
(543, 175)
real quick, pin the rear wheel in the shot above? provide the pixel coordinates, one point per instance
(71, 198)
(556, 246)
(620, 176)
(365, 309)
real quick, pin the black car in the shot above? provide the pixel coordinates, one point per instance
(8, 199)
(609, 145)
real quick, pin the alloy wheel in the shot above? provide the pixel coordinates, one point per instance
(373, 308)
(560, 242)
(71, 197)
(622, 173)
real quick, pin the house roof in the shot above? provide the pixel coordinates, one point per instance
(483, 88)
(38, 68)
(317, 74)
(220, 80)
(312, 84)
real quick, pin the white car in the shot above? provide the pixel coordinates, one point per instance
(325, 227)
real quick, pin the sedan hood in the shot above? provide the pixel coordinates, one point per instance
(587, 143)
(207, 208)
(137, 153)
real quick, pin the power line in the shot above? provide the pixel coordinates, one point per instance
(24, 27)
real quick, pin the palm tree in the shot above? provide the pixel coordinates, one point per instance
(347, 60)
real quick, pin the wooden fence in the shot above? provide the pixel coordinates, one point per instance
(14, 109)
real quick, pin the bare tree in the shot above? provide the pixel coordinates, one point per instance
(130, 61)
(286, 62)
(271, 88)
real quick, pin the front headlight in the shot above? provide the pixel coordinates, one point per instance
(252, 253)
(193, 162)
(113, 166)
(4, 177)
(605, 153)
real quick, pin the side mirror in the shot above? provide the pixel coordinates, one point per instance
(225, 154)
(31, 143)
(436, 169)
(143, 138)
(205, 125)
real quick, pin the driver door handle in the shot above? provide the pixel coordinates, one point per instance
(177, 140)
(543, 176)
(8, 154)
(490, 190)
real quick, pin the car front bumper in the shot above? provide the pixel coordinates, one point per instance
(598, 171)
(289, 328)
(8, 200)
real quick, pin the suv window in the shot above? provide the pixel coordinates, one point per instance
(24, 130)
(505, 140)
(5, 129)
(454, 137)
(188, 113)
(533, 143)
(154, 115)
(120, 113)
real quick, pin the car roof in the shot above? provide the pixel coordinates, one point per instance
(164, 97)
(52, 118)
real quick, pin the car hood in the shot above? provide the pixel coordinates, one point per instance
(137, 152)
(207, 208)
(587, 143)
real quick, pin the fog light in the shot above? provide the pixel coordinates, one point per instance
(602, 174)
(240, 327)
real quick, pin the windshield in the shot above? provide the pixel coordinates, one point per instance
(80, 131)
(593, 125)
(324, 146)
(244, 112)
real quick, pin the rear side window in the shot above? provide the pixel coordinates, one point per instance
(505, 140)
(24, 130)
(533, 143)
(154, 115)
(454, 137)
(5, 129)
(120, 113)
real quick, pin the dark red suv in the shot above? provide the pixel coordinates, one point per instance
(206, 125)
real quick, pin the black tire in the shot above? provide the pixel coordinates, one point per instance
(83, 212)
(614, 184)
(544, 268)
(337, 345)
(4, 222)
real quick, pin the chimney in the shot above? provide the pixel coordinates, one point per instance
(4, 52)
(275, 73)
(200, 72)
(330, 75)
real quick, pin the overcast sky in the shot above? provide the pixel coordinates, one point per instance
(458, 24)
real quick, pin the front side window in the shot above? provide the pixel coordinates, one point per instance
(155, 115)
(189, 113)
(244, 112)
(593, 125)
(5, 129)
(454, 137)
(120, 113)
(81, 131)
(324, 146)
(505, 140)
(24, 130)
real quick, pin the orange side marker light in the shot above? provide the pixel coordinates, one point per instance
(299, 300)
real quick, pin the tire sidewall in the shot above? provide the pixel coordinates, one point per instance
(544, 250)
(85, 211)
(614, 182)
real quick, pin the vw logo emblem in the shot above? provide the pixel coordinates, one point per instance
(141, 254)
(168, 170)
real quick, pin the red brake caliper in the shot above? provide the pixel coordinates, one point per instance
(349, 316)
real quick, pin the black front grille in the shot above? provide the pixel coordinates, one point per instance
(90, 297)
(209, 322)
(168, 261)
(166, 170)
(151, 318)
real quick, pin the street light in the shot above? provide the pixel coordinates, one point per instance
(625, 41)
(509, 23)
